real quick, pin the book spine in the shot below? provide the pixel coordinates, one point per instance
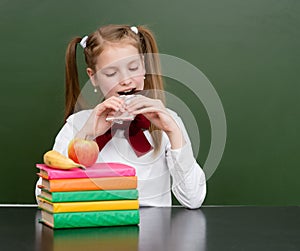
(95, 206)
(100, 170)
(102, 195)
(62, 207)
(95, 219)
(107, 183)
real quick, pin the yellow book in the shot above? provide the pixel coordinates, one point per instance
(86, 206)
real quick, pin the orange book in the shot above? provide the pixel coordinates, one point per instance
(84, 184)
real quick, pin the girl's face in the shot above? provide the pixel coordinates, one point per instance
(119, 68)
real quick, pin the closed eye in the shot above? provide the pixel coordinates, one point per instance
(133, 68)
(110, 74)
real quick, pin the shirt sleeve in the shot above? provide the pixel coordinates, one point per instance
(63, 138)
(188, 178)
(68, 132)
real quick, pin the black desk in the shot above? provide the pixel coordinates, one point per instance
(209, 228)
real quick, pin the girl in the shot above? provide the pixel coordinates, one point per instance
(121, 60)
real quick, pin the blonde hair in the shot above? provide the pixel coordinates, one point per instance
(144, 41)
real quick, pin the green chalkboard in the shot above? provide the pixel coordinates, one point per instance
(248, 50)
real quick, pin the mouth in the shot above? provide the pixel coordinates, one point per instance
(128, 92)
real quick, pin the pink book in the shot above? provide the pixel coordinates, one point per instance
(96, 171)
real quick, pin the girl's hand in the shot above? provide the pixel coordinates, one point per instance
(155, 111)
(96, 124)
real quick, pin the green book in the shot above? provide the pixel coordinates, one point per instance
(91, 219)
(92, 195)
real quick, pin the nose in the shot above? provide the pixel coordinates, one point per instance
(126, 78)
(126, 81)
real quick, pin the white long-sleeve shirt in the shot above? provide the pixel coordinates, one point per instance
(155, 173)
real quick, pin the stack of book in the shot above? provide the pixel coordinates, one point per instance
(102, 195)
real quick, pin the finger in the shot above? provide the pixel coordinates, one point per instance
(144, 110)
(109, 105)
(106, 109)
(118, 102)
(138, 104)
(114, 100)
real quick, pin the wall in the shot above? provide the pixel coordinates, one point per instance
(249, 51)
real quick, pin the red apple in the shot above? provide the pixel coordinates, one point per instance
(84, 152)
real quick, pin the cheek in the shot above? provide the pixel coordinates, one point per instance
(139, 81)
(107, 86)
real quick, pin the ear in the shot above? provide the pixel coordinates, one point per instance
(91, 75)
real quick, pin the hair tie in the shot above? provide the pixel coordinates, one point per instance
(134, 29)
(83, 42)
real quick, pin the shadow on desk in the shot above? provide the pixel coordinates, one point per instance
(159, 229)
(104, 238)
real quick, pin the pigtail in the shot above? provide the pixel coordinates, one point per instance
(72, 87)
(153, 81)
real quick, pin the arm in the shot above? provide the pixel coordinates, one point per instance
(87, 124)
(69, 131)
(189, 184)
(84, 124)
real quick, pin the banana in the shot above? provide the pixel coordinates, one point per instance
(55, 159)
